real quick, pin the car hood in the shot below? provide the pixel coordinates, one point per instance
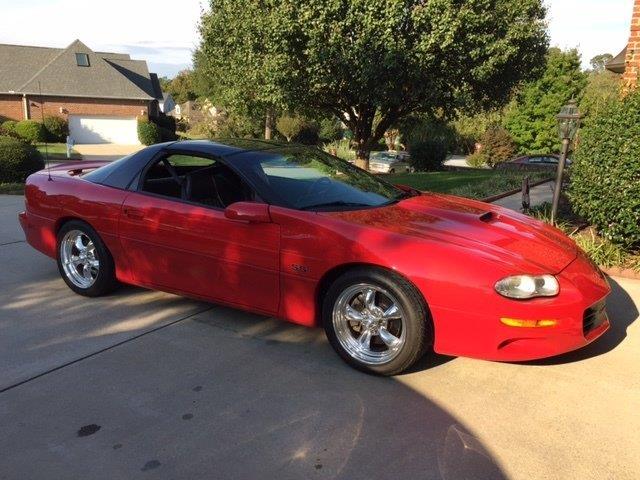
(494, 230)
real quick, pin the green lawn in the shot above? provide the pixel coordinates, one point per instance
(439, 181)
(471, 183)
(57, 151)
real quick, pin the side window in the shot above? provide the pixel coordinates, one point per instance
(197, 180)
(535, 160)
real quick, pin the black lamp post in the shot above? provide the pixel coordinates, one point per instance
(568, 124)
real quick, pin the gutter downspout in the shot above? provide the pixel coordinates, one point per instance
(25, 106)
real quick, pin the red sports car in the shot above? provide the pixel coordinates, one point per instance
(296, 233)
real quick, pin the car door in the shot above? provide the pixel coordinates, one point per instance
(179, 244)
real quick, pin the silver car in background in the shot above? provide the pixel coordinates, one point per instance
(390, 162)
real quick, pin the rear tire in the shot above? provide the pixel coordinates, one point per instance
(84, 262)
(376, 320)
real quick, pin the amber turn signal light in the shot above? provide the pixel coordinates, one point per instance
(515, 322)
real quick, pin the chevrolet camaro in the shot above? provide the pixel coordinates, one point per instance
(287, 231)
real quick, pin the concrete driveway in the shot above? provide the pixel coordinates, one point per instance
(148, 385)
(105, 151)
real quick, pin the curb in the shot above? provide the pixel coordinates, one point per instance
(499, 196)
(621, 272)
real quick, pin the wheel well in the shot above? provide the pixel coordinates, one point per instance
(330, 276)
(63, 220)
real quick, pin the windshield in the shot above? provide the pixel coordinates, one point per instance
(307, 179)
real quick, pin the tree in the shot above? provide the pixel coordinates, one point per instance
(164, 82)
(360, 59)
(602, 88)
(181, 87)
(290, 126)
(599, 62)
(392, 138)
(469, 129)
(497, 146)
(330, 129)
(531, 118)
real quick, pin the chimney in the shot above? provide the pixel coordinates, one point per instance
(632, 61)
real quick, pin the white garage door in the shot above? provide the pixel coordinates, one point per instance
(97, 129)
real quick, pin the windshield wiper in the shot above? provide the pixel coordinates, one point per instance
(338, 203)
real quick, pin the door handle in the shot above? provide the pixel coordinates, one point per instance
(133, 213)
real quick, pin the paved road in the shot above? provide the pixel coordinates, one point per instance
(142, 384)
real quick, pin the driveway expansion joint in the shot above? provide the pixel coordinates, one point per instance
(12, 243)
(105, 349)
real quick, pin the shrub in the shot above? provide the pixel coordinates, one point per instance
(308, 134)
(148, 132)
(18, 160)
(341, 149)
(427, 155)
(8, 128)
(477, 160)
(605, 174)
(57, 129)
(31, 131)
(497, 146)
(330, 130)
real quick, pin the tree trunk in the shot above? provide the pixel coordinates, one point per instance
(268, 124)
(362, 137)
(362, 154)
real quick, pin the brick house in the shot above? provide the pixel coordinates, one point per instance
(627, 62)
(100, 94)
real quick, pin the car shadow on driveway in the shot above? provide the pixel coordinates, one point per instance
(228, 394)
(622, 313)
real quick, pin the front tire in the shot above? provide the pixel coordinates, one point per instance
(376, 321)
(84, 262)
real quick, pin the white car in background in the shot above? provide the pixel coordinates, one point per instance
(390, 162)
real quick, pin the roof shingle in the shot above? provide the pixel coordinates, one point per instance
(54, 71)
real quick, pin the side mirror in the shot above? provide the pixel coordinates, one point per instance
(248, 212)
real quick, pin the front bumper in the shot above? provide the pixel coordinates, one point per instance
(579, 311)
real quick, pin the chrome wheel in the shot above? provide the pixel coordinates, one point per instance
(79, 258)
(368, 322)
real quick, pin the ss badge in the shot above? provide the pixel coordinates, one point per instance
(299, 268)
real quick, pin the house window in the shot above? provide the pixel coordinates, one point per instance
(82, 59)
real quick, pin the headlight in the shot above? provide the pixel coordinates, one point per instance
(528, 286)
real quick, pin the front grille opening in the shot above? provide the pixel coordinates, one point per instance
(593, 316)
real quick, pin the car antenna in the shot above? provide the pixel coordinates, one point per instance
(46, 147)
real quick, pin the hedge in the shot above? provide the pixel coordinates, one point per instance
(31, 131)
(605, 174)
(18, 160)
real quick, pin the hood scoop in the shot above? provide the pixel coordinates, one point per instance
(488, 217)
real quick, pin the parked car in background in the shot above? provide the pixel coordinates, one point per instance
(390, 162)
(541, 161)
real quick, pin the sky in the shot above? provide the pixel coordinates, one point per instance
(164, 33)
